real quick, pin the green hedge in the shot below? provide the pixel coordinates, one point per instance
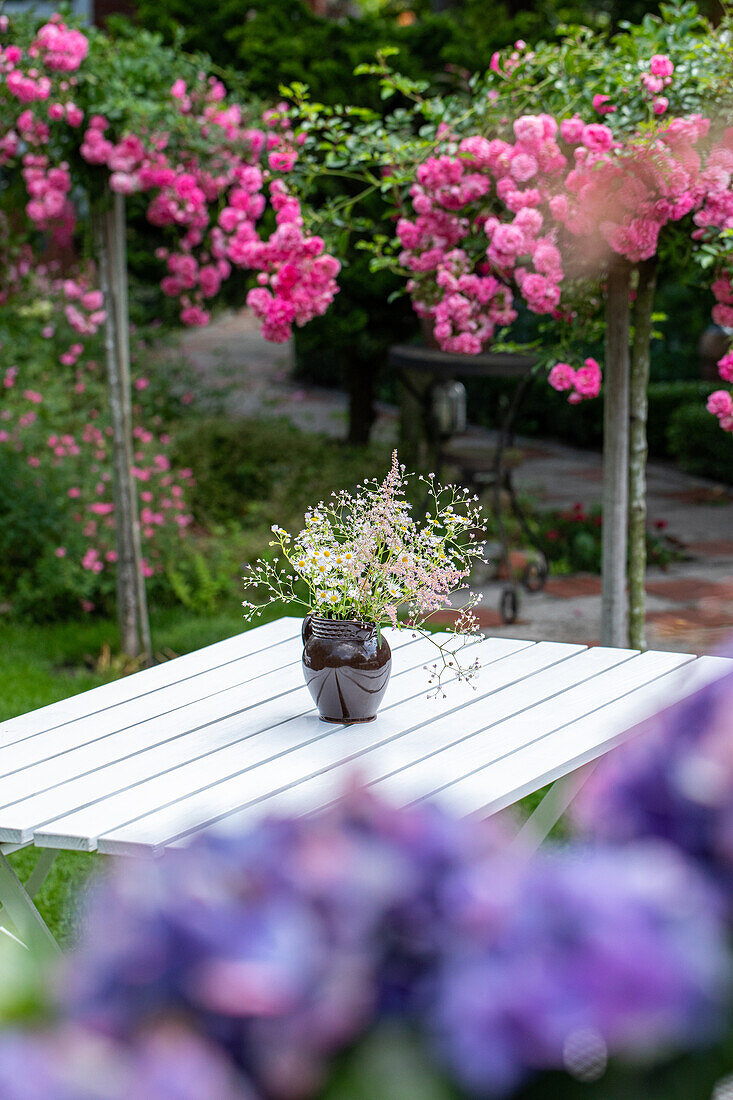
(273, 42)
(679, 427)
(698, 443)
(547, 413)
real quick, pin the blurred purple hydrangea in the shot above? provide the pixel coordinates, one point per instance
(284, 945)
(273, 952)
(674, 780)
(169, 1063)
(618, 948)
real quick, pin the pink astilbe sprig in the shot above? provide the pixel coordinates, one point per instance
(365, 556)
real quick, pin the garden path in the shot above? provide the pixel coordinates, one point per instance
(690, 604)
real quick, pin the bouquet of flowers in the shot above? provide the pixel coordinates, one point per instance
(366, 557)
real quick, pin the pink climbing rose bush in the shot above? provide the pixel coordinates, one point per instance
(212, 181)
(520, 217)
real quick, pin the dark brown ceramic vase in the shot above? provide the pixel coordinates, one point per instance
(346, 668)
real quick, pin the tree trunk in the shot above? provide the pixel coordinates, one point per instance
(638, 407)
(615, 457)
(132, 611)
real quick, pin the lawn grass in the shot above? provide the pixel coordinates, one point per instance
(41, 664)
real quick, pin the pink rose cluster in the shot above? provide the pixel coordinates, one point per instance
(560, 194)
(57, 47)
(623, 195)
(60, 48)
(496, 219)
(720, 404)
(84, 309)
(716, 212)
(298, 277)
(215, 212)
(656, 80)
(48, 189)
(722, 289)
(211, 202)
(456, 196)
(580, 384)
(713, 219)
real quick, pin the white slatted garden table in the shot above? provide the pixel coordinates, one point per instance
(219, 737)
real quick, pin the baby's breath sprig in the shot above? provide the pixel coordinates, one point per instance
(364, 555)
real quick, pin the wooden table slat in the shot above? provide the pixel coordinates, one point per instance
(553, 684)
(528, 769)
(235, 687)
(98, 699)
(499, 741)
(269, 736)
(77, 777)
(290, 747)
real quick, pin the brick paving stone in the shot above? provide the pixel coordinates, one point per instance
(688, 617)
(687, 589)
(580, 584)
(704, 494)
(715, 548)
(486, 617)
(689, 639)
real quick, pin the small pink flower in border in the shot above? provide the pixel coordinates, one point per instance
(602, 104)
(660, 65)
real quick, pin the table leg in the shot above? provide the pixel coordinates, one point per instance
(17, 900)
(38, 875)
(546, 815)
